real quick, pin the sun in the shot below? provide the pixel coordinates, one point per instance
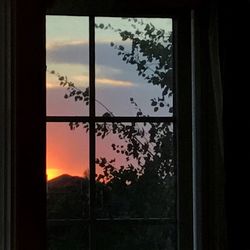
(52, 173)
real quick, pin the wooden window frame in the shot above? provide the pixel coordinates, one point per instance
(28, 124)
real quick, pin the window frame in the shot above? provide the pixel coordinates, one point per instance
(182, 124)
(28, 127)
(5, 126)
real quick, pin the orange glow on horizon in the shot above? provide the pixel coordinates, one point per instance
(67, 151)
(52, 173)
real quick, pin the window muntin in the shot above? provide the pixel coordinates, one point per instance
(96, 201)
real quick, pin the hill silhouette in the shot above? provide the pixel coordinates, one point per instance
(66, 183)
(67, 197)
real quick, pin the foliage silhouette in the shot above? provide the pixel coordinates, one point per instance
(144, 186)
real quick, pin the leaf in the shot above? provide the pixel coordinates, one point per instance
(158, 32)
(156, 109)
(121, 47)
(78, 98)
(165, 91)
(106, 114)
(112, 161)
(153, 103)
(129, 147)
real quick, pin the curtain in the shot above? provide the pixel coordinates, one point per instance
(216, 169)
(209, 94)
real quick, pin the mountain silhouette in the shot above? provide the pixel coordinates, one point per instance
(66, 182)
(67, 197)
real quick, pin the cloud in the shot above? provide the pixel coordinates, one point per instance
(51, 82)
(106, 81)
(80, 78)
(111, 82)
(99, 81)
(77, 52)
(108, 64)
(72, 52)
(109, 72)
(50, 85)
(56, 44)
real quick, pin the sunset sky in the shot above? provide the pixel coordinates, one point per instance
(116, 82)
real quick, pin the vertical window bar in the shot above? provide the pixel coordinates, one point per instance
(195, 137)
(92, 66)
(92, 130)
(193, 134)
(174, 63)
(183, 132)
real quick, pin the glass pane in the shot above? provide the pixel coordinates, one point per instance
(136, 175)
(134, 66)
(67, 60)
(67, 171)
(67, 237)
(137, 237)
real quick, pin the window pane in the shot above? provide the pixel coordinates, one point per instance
(67, 171)
(136, 175)
(67, 65)
(68, 237)
(136, 237)
(134, 66)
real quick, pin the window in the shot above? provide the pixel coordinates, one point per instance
(23, 116)
(28, 122)
(127, 128)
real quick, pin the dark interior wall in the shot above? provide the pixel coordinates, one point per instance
(233, 20)
(129, 7)
(234, 49)
(3, 126)
(28, 125)
(210, 169)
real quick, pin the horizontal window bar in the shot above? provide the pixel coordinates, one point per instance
(108, 119)
(137, 221)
